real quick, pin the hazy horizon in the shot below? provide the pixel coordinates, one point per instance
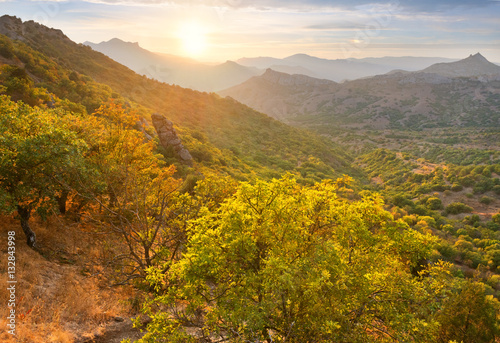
(220, 30)
(297, 53)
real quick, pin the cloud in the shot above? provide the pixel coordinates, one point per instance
(410, 5)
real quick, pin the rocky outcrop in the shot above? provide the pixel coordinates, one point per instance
(168, 138)
(28, 31)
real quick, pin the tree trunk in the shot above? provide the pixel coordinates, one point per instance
(24, 215)
(61, 201)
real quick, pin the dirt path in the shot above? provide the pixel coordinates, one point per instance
(116, 332)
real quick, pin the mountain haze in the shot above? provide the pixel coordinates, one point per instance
(340, 69)
(173, 69)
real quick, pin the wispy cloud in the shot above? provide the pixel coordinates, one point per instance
(421, 5)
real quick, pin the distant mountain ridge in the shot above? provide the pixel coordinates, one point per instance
(472, 66)
(173, 69)
(340, 69)
(189, 73)
(398, 99)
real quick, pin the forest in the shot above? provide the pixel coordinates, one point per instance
(275, 234)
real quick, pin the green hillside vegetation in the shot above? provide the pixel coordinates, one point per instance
(263, 239)
(447, 200)
(219, 133)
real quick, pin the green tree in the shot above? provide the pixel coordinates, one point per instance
(37, 152)
(434, 203)
(469, 315)
(282, 262)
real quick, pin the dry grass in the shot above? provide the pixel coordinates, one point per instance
(59, 295)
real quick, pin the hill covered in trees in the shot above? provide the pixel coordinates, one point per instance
(430, 98)
(261, 239)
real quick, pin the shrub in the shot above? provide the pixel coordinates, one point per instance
(458, 207)
(447, 251)
(463, 245)
(486, 200)
(434, 203)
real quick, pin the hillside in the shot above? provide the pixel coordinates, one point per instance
(216, 131)
(397, 100)
(173, 69)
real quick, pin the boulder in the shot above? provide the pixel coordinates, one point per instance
(168, 138)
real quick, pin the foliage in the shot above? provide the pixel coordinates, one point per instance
(469, 315)
(39, 154)
(289, 263)
(212, 128)
(458, 207)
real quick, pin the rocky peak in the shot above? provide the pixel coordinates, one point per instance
(478, 58)
(14, 28)
(168, 138)
(472, 66)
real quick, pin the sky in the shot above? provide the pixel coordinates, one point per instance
(220, 30)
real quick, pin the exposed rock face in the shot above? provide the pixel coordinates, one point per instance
(168, 138)
(14, 28)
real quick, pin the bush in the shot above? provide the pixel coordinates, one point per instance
(449, 228)
(463, 245)
(447, 251)
(434, 203)
(472, 220)
(458, 207)
(496, 189)
(486, 200)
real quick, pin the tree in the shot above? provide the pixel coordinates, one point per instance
(279, 262)
(135, 192)
(37, 151)
(469, 315)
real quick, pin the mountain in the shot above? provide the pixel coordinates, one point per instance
(398, 99)
(281, 95)
(409, 63)
(340, 69)
(174, 69)
(472, 66)
(222, 135)
(138, 59)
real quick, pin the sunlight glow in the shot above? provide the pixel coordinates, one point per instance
(193, 37)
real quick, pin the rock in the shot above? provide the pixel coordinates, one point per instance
(168, 138)
(142, 124)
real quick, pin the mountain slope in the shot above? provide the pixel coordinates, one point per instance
(395, 100)
(221, 134)
(281, 95)
(173, 69)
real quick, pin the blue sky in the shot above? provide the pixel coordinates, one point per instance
(218, 30)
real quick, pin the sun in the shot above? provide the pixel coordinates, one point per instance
(193, 38)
